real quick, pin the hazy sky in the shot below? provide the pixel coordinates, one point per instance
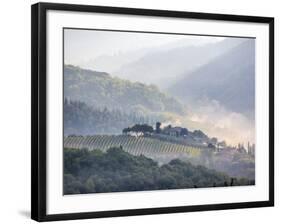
(85, 45)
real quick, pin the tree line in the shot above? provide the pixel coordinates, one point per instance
(81, 119)
(118, 171)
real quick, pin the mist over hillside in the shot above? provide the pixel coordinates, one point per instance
(200, 82)
(86, 49)
(164, 66)
(114, 63)
(146, 111)
(228, 79)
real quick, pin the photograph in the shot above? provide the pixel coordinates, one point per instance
(139, 111)
(148, 111)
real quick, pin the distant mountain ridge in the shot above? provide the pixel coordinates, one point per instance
(228, 79)
(100, 90)
(166, 66)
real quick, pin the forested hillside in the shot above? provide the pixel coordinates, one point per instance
(117, 171)
(100, 90)
(81, 119)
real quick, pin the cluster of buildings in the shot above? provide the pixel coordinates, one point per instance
(184, 136)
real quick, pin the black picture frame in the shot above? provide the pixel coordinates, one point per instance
(39, 107)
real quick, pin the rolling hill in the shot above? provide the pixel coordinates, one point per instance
(165, 66)
(231, 162)
(100, 90)
(228, 79)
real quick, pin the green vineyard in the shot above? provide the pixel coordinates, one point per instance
(134, 145)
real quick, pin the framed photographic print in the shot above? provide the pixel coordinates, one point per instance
(140, 111)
